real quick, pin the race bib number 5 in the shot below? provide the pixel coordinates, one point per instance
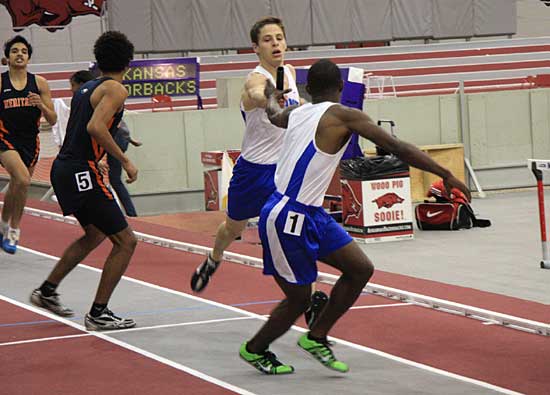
(83, 181)
(294, 223)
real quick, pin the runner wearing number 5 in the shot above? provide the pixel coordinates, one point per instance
(96, 111)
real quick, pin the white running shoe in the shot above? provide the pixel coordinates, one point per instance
(107, 321)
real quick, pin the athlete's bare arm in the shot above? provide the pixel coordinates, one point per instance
(277, 116)
(253, 92)
(338, 122)
(106, 100)
(44, 100)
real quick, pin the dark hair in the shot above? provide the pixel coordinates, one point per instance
(113, 51)
(14, 40)
(323, 77)
(82, 76)
(268, 20)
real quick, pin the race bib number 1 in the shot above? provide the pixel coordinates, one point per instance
(294, 223)
(83, 181)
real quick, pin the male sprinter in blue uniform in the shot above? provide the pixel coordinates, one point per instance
(24, 97)
(296, 231)
(96, 110)
(252, 180)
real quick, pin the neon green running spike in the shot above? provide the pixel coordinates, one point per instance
(322, 353)
(265, 362)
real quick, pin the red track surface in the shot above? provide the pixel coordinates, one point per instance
(42, 368)
(500, 356)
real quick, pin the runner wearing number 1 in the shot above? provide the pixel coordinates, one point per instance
(294, 228)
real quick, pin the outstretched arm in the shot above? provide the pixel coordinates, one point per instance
(363, 125)
(253, 92)
(277, 116)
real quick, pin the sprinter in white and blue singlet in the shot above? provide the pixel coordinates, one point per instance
(295, 229)
(252, 180)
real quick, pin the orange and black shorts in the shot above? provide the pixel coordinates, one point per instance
(28, 149)
(80, 191)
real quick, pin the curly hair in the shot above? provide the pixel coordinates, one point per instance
(14, 40)
(113, 51)
(323, 77)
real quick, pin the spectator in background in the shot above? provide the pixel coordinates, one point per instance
(79, 78)
(123, 139)
(60, 127)
(62, 110)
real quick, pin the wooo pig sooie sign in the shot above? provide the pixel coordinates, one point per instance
(378, 210)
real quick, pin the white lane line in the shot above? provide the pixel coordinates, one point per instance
(443, 305)
(297, 328)
(130, 347)
(377, 306)
(43, 339)
(144, 328)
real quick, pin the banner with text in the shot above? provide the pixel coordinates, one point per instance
(171, 77)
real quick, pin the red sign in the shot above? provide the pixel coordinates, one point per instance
(352, 207)
(211, 190)
(49, 12)
(214, 158)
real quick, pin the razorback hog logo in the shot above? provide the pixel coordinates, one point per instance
(354, 210)
(388, 199)
(49, 12)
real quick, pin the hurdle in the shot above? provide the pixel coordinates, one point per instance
(537, 166)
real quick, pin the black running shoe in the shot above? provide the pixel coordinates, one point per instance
(318, 301)
(202, 275)
(51, 303)
(106, 321)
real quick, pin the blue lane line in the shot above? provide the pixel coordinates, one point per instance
(152, 312)
(143, 313)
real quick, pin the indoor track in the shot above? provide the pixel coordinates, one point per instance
(188, 344)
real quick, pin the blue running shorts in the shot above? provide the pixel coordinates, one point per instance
(294, 236)
(249, 188)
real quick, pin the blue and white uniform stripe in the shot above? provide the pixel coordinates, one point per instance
(294, 228)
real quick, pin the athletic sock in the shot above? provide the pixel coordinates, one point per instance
(248, 350)
(97, 309)
(14, 231)
(316, 339)
(4, 226)
(47, 288)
